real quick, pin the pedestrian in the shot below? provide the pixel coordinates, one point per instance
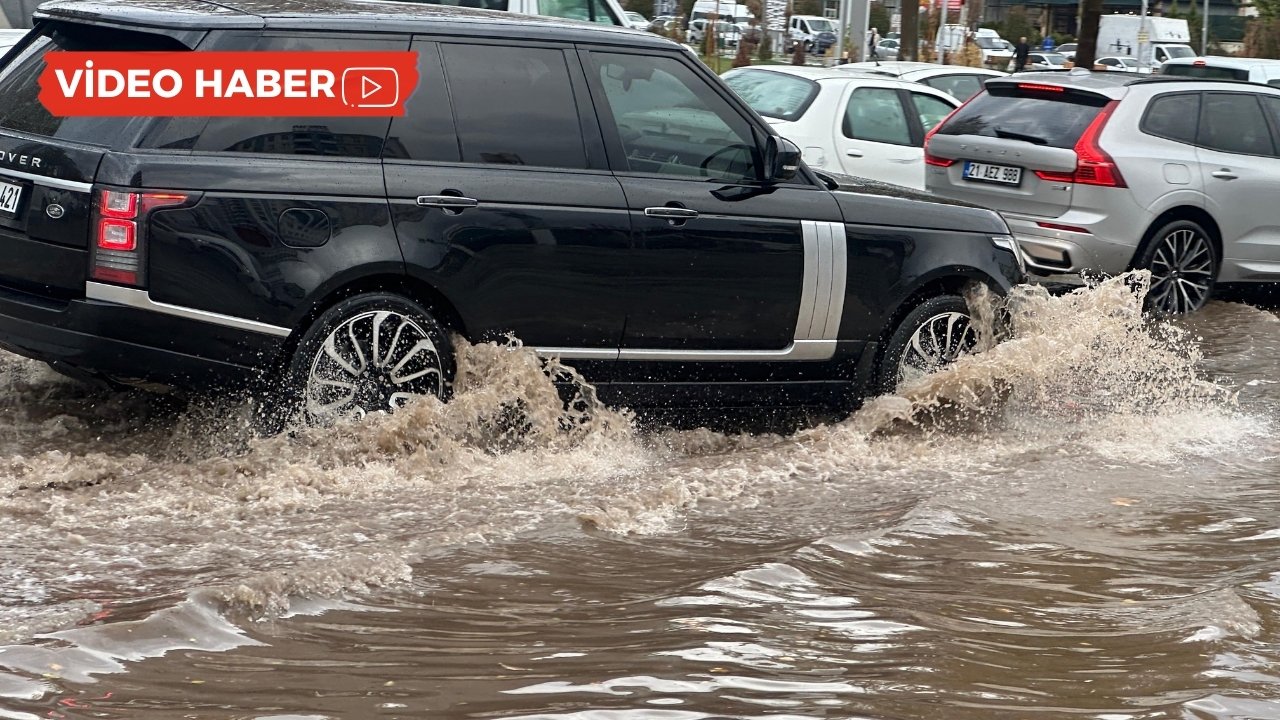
(1020, 53)
(872, 42)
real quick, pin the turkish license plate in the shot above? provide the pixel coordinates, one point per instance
(10, 195)
(986, 172)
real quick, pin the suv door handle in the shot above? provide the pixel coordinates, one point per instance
(449, 203)
(671, 213)
(853, 153)
(1224, 174)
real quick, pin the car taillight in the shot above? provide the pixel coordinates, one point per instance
(934, 160)
(1093, 165)
(118, 248)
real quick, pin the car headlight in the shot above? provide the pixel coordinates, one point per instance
(1008, 243)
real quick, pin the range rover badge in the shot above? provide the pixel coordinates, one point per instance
(54, 211)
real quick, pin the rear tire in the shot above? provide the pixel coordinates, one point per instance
(1184, 268)
(371, 352)
(930, 337)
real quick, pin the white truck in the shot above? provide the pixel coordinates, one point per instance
(1166, 38)
(726, 10)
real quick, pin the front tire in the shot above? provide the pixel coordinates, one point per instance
(930, 337)
(1184, 268)
(371, 352)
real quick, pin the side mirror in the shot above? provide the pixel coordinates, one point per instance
(781, 159)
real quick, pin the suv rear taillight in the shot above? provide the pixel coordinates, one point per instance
(1093, 165)
(934, 160)
(118, 238)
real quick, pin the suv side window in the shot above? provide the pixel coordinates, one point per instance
(354, 137)
(20, 80)
(672, 122)
(876, 115)
(1173, 117)
(514, 106)
(1234, 123)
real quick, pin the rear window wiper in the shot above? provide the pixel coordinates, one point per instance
(1010, 135)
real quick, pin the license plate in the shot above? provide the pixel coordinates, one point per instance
(10, 195)
(986, 172)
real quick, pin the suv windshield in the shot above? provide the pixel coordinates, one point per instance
(1057, 120)
(773, 94)
(20, 81)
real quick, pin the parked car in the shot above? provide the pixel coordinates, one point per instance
(887, 49)
(853, 123)
(727, 33)
(1067, 50)
(958, 81)
(1103, 172)
(996, 53)
(814, 33)
(621, 209)
(1046, 61)
(1255, 70)
(635, 20)
(604, 12)
(1119, 63)
(664, 24)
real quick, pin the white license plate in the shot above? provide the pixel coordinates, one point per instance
(986, 172)
(10, 194)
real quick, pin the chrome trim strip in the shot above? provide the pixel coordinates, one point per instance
(48, 181)
(141, 299)
(839, 276)
(569, 353)
(826, 270)
(809, 287)
(797, 350)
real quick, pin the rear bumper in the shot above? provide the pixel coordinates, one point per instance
(1090, 248)
(127, 343)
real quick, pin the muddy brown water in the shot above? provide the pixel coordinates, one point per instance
(1081, 522)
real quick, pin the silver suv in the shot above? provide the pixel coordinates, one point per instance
(1101, 173)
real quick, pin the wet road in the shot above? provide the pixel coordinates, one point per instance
(1078, 523)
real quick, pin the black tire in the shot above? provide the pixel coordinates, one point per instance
(1183, 261)
(941, 313)
(343, 366)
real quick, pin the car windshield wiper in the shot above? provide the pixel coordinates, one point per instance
(1010, 135)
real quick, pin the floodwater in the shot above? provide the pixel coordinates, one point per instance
(1078, 523)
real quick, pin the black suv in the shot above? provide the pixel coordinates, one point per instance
(595, 192)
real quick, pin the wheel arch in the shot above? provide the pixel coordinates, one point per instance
(1180, 212)
(412, 288)
(947, 281)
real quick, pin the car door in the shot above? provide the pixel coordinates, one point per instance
(507, 208)
(1238, 159)
(881, 133)
(723, 267)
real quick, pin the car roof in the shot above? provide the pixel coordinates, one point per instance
(342, 15)
(824, 73)
(1222, 61)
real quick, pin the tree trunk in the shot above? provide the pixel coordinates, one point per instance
(1087, 43)
(909, 41)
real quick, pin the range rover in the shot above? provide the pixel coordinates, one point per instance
(596, 192)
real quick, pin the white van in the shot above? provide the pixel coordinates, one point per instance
(604, 12)
(1255, 70)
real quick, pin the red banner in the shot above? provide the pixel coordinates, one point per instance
(262, 84)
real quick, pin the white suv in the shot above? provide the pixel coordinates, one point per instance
(1103, 172)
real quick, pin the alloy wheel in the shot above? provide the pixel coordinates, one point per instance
(1181, 272)
(937, 342)
(376, 360)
